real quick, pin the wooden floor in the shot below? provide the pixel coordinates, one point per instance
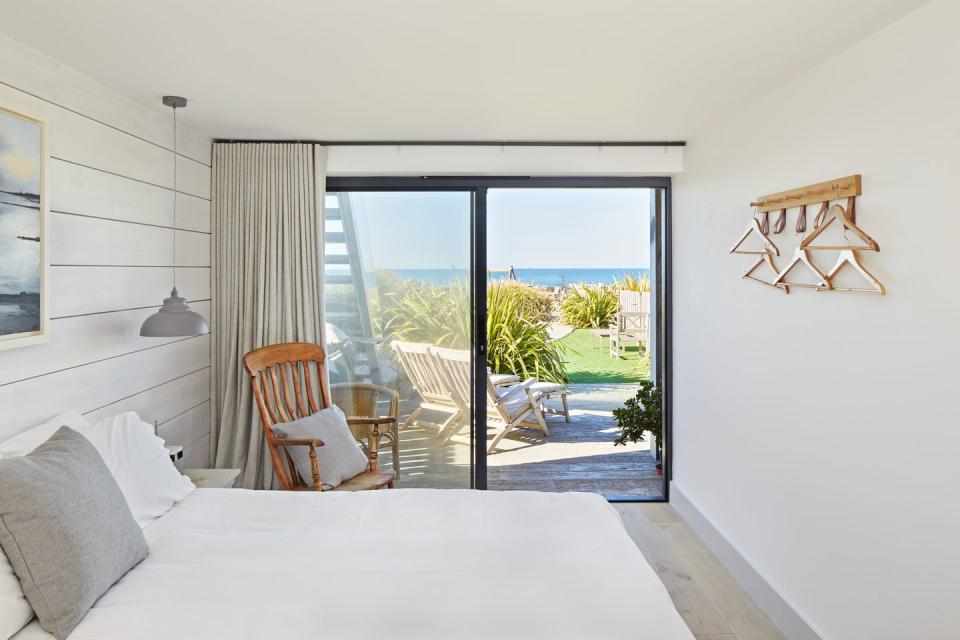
(708, 598)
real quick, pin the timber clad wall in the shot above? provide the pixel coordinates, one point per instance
(109, 234)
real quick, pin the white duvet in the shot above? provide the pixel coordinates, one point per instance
(423, 564)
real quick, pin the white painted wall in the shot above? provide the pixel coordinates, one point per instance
(820, 433)
(110, 234)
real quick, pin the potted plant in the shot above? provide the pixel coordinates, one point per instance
(643, 412)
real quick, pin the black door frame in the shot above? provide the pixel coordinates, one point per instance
(661, 275)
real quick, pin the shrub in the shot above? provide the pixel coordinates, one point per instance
(517, 338)
(632, 282)
(532, 301)
(643, 412)
(589, 307)
(419, 312)
(517, 320)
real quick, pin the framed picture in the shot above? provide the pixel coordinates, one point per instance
(23, 206)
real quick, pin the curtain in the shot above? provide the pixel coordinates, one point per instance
(267, 275)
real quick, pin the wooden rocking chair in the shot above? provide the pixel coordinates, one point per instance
(283, 375)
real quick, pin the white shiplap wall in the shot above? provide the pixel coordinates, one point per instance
(110, 232)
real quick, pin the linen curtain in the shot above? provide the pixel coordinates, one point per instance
(267, 276)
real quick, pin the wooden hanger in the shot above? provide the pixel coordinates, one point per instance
(849, 257)
(766, 259)
(837, 212)
(754, 227)
(800, 256)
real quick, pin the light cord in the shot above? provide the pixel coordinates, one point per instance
(174, 198)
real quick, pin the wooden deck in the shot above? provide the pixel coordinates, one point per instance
(576, 456)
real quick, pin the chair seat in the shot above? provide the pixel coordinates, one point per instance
(367, 480)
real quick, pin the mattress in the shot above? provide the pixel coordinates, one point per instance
(405, 563)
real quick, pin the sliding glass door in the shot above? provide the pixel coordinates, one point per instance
(503, 320)
(571, 290)
(398, 324)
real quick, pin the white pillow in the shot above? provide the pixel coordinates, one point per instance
(15, 611)
(339, 459)
(140, 464)
(25, 442)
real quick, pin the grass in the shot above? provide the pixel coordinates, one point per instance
(589, 364)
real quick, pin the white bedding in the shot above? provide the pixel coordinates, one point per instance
(236, 564)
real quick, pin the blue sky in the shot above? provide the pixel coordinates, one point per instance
(19, 154)
(526, 228)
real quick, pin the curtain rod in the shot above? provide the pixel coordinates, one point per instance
(467, 143)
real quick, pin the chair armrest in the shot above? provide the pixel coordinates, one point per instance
(298, 442)
(313, 443)
(373, 437)
(373, 420)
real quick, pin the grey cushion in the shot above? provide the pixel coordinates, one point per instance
(339, 458)
(66, 528)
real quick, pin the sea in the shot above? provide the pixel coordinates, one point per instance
(19, 264)
(538, 277)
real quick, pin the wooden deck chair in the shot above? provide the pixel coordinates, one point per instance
(435, 394)
(508, 406)
(453, 366)
(545, 391)
(290, 382)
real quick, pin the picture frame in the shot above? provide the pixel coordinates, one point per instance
(24, 309)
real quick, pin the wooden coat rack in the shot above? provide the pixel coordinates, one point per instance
(822, 194)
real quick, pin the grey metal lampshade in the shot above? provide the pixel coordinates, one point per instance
(174, 319)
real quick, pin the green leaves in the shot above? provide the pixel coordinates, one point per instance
(589, 306)
(517, 338)
(633, 282)
(517, 320)
(643, 412)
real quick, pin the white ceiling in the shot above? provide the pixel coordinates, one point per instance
(447, 69)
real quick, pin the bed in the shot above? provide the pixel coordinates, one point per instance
(406, 563)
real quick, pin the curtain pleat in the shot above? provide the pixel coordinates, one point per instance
(267, 279)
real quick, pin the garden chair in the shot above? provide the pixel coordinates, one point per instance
(508, 406)
(630, 327)
(435, 393)
(545, 390)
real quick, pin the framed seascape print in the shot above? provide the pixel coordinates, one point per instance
(23, 202)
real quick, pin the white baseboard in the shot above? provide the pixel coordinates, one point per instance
(791, 623)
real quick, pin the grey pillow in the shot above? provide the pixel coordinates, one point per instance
(339, 458)
(66, 528)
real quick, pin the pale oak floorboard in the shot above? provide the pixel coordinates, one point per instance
(705, 594)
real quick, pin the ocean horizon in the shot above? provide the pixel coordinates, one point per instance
(539, 277)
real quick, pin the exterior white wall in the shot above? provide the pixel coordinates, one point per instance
(110, 232)
(820, 433)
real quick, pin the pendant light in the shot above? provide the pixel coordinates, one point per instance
(174, 318)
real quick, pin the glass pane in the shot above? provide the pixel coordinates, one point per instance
(398, 312)
(569, 306)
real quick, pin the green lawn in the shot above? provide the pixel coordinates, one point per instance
(586, 363)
